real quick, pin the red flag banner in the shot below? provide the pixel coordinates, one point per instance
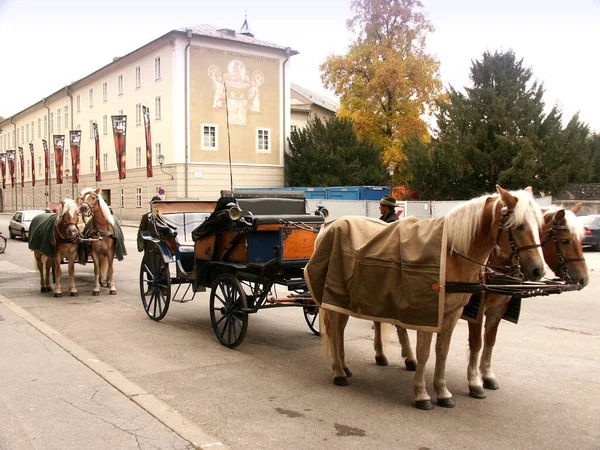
(119, 131)
(22, 161)
(3, 169)
(11, 165)
(97, 142)
(146, 113)
(59, 147)
(46, 161)
(32, 164)
(75, 139)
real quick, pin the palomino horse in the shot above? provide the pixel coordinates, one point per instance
(52, 238)
(510, 220)
(101, 230)
(561, 244)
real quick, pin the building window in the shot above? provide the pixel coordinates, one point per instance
(122, 198)
(120, 84)
(209, 137)
(92, 164)
(91, 97)
(138, 77)
(18, 140)
(138, 156)
(32, 130)
(157, 68)
(138, 197)
(78, 103)
(120, 112)
(51, 122)
(263, 143)
(58, 127)
(27, 132)
(92, 129)
(45, 125)
(39, 166)
(104, 124)
(138, 114)
(105, 162)
(28, 169)
(66, 117)
(52, 165)
(105, 91)
(39, 128)
(158, 108)
(157, 151)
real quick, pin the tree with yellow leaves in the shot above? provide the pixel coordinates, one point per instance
(386, 81)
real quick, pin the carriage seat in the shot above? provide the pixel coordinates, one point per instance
(278, 210)
(185, 223)
(282, 218)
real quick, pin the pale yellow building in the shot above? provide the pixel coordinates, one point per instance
(307, 104)
(189, 79)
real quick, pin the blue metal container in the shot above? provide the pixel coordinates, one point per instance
(373, 192)
(343, 193)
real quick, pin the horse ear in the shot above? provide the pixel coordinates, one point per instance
(62, 203)
(97, 191)
(509, 200)
(79, 201)
(575, 209)
(559, 215)
(529, 189)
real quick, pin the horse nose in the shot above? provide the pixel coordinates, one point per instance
(536, 273)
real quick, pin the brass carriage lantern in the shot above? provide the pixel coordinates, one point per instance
(161, 161)
(391, 168)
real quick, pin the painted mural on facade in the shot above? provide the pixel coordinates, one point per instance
(240, 90)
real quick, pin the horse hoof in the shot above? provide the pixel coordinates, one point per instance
(340, 381)
(411, 366)
(57, 294)
(425, 405)
(491, 384)
(113, 292)
(477, 392)
(74, 294)
(381, 361)
(96, 293)
(446, 402)
(347, 372)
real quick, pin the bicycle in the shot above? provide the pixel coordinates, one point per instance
(2, 243)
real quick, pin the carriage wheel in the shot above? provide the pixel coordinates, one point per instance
(155, 285)
(228, 320)
(2, 244)
(311, 315)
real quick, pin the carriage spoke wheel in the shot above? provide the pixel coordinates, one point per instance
(155, 285)
(311, 315)
(228, 320)
(2, 244)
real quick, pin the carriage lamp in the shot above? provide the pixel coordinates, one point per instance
(161, 161)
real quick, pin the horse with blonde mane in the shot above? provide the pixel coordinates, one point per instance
(52, 238)
(105, 238)
(510, 220)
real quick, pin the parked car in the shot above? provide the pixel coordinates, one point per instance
(19, 224)
(591, 227)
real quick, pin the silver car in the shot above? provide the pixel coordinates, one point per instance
(20, 221)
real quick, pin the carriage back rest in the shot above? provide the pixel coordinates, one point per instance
(185, 223)
(273, 206)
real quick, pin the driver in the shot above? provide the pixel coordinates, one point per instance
(387, 208)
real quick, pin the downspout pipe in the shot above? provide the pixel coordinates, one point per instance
(288, 53)
(49, 147)
(186, 100)
(15, 162)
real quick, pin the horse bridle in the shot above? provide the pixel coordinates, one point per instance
(562, 271)
(96, 202)
(64, 239)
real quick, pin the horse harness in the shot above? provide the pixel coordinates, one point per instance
(98, 234)
(562, 271)
(59, 238)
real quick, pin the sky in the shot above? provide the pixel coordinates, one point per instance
(47, 44)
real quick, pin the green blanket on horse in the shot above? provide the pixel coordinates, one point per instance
(41, 234)
(88, 232)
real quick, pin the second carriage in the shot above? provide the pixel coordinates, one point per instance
(249, 248)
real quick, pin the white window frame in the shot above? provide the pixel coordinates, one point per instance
(105, 91)
(78, 103)
(46, 125)
(66, 116)
(120, 84)
(105, 124)
(260, 141)
(138, 156)
(158, 107)
(206, 127)
(138, 197)
(39, 166)
(105, 162)
(91, 97)
(138, 77)
(93, 164)
(91, 128)
(157, 68)
(27, 132)
(157, 151)
(58, 115)
(39, 127)
(51, 122)
(138, 114)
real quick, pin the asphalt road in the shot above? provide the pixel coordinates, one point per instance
(275, 391)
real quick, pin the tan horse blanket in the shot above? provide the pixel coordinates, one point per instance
(391, 273)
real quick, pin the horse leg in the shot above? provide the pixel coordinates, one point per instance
(442, 347)
(380, 358)
(57, 275)
(72, 288)
(409, 359)
(334, 323)
(40, 267)
(110, 272)
(49, 264)
(422, 398)
(96, 259)
(104, 271)
(473, 375)
(493, 317)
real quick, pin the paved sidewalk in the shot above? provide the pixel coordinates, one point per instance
(56, 395)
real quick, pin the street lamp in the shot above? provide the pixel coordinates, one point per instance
(67, 173)
(161, 161)
(391, 168)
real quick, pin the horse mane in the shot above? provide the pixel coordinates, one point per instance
(575, 227)
(103, 206)
(464, 220)
(69, 205)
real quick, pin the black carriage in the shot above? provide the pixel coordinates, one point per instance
(244, 247)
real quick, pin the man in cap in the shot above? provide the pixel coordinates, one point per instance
(387, 208)
(145, 225)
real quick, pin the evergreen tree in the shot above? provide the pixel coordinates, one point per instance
(330, 154)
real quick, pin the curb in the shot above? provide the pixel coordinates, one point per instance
(172, 419)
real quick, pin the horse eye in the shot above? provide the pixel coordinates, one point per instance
(521, 227)
(565, 241)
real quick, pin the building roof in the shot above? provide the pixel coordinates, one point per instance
(246, 28)
(317, 99)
